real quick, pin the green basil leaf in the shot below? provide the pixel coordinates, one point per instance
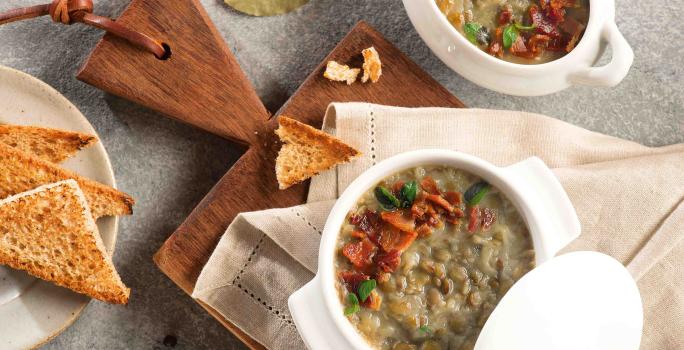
(510, 33)
(365, 289)
(519, 26)
(387, 200)
(474, 194)
(470, 29)
(353, 304)
(408, 194)
(425, 329)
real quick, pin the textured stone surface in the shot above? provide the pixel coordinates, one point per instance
(169, 167)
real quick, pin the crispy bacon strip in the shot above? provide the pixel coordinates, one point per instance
(441, 202)
(429, 185)
(454, 198)
(473, 219)
(360, 253)
(352, 279)
(373, 302)
(388, 262)
(368, 222)
(398, 220)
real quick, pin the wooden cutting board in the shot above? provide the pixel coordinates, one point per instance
(210, 91)
(251, 185)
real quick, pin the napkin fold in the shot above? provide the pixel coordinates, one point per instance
(629, 199)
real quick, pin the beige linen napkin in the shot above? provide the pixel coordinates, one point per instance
(627, 196)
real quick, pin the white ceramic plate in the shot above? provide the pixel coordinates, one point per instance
(33, 311)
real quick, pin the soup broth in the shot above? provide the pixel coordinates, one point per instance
(424, 257)
(519, 31)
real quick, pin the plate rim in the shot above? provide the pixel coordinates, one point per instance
(68, 105)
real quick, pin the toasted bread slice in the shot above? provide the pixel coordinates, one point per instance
(50, 233)
(340, 72)
(51, 145)
(372, 67)
(306, 152)
(21, 172)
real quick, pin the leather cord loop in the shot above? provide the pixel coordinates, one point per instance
(81, 11)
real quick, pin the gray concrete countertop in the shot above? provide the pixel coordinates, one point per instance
(169, 167)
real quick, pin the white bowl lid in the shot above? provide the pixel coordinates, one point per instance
(580, 300)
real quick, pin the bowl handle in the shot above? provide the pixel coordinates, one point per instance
(548, 203)
(612, 73)
(312, 318)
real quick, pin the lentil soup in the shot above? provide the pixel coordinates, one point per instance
(519, 31)
(423, 258)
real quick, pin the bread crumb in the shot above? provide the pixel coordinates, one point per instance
(372, 67)
(340, 72)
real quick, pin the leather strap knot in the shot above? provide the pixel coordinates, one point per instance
(81, 11)
(64, 11)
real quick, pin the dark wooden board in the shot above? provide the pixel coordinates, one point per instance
(203, 85)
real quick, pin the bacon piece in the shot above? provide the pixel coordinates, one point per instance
(396, 187)
(440, 201)
(520, 49)
(424, 230)
(392, 239)
(473, 219)
(358, 234)
(537, 43)
(454, 198)
(454, 216)
(505, 15)
(352, 279)
(398, 220)
(360, 253)
(388, 262)
(373, 302)
(368, 222)
(496, 49)
(542, 23)
(488, 218)
(429, 185)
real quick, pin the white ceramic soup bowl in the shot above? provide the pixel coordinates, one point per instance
(529, 185)
(528, 80)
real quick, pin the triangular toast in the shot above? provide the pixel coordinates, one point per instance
(306, 152)
(50, 233)
(51, 145)
(21, 172)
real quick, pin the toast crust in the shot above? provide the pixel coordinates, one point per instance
(307, 151)
(49, 232)
(52, 145)
(20, 172)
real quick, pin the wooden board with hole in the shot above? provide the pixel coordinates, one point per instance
(226, 104)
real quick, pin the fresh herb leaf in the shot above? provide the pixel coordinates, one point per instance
(387, 200)
(365, 289)
(353, 305)
(510, 33)
(470, 29)
(519, 26)
(474, 194)
(408, 194)
(425, 329)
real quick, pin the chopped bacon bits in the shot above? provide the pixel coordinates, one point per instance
(424, 230)
(373, 302)
(454, 198)
(352, 279)
(398, 220)
(360, 253)
(440, 201)
(506, 15)
(388, 262)
(429, 185)
(358, 234)
(473, 219)
(368, 222)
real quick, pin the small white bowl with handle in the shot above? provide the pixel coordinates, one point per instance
(541, 200)
(575, 68)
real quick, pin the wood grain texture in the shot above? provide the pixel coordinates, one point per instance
(202, 85)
